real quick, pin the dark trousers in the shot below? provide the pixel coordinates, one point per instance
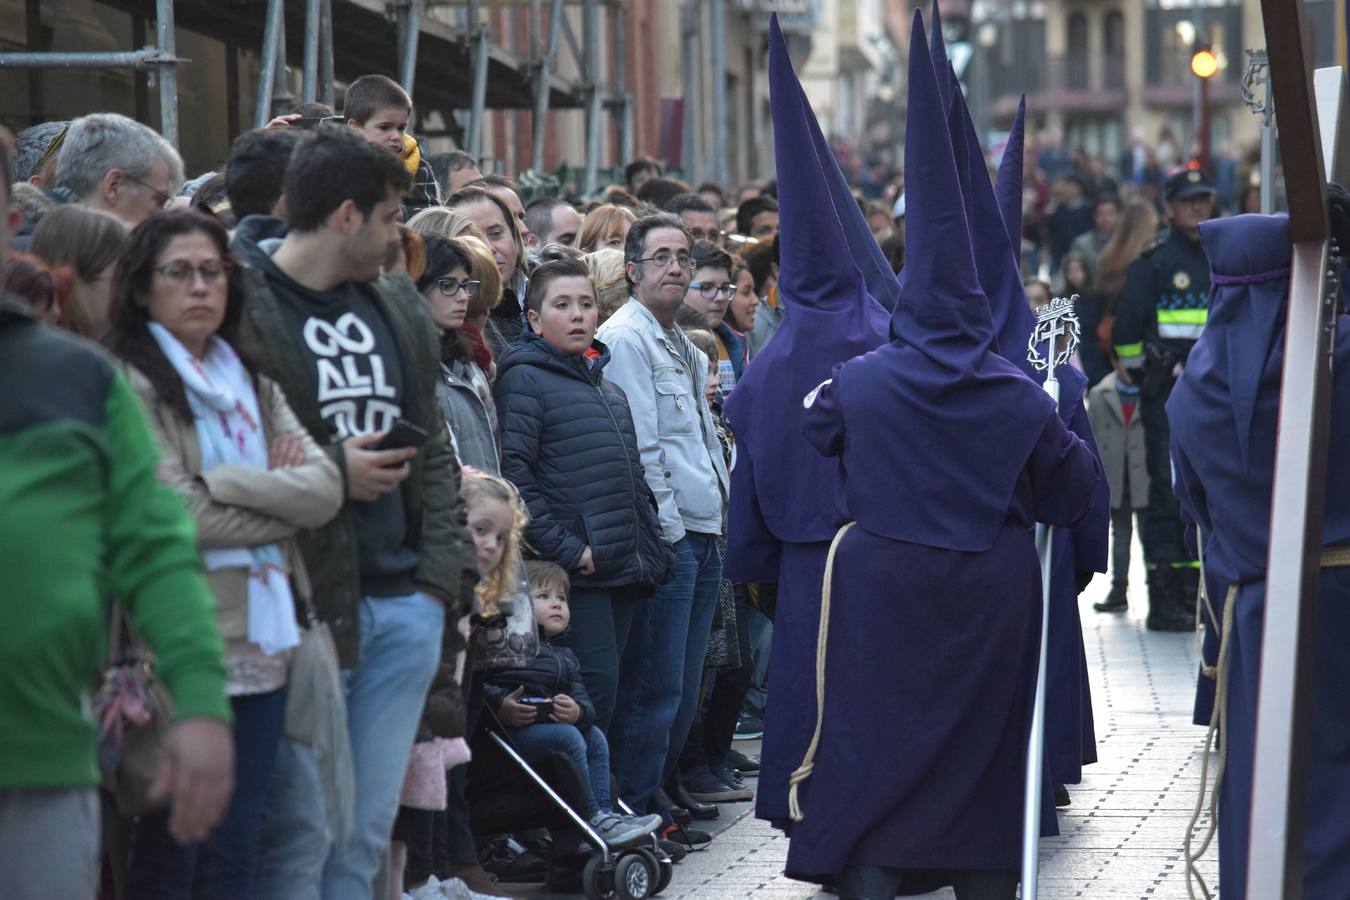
(1122, 535)
(1160, 529)
(224, 866)
(729, 689)
(601, 621)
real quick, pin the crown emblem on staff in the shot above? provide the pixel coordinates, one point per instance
(1056, 325)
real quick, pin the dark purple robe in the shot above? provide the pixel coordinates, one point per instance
(1223, 415)
(931, 669)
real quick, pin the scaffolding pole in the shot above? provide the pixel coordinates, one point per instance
(272, 38)
(309, 82)
(327, 94)
(689, 34)
(717, 12)
(623, 101)
(547, 50)
(478, 41)
(409, 24)
(591, 38)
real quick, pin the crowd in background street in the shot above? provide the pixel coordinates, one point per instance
(364, 413)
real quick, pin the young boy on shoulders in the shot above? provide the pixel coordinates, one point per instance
(379, 109)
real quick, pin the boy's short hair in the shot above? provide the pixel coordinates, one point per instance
(256, 169)
(334, 165)
(541, 573)
(369, 94)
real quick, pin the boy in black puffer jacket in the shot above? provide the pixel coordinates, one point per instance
(546, 708)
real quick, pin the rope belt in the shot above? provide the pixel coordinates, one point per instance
(803, 771)
(1332, 557)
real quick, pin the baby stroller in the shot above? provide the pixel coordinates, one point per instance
(501, 803)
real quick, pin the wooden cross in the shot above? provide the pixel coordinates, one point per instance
(1313, 149)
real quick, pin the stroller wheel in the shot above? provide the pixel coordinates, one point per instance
(634, 877)
(597, 880)
(664, 869)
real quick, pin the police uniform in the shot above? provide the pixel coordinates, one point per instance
(1163, 310)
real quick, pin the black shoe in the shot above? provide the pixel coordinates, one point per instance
(727, 775)
(674, 850)
(699, 807)
(679, 814)
(689, 838)
(740, 762)
(1061, 796)
(749, 727)
(1114, 602)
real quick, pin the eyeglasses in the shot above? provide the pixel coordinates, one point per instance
(450, 286)
(162, 197)
(180, 271)
(664, 259)
(709, 290)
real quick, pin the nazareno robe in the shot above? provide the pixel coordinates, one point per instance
(931, 665)
(1223, 414)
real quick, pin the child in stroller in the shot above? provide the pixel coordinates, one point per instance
(545, 708)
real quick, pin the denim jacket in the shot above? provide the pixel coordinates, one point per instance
(676, 435)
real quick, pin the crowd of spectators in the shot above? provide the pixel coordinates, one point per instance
(472, 436)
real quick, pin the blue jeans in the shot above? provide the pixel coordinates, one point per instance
(601, 623)
(589, 754)
(222, 867)
(661, 671)
(400, 647)
(761, 642)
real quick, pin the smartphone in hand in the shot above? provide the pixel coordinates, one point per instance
(403, 434)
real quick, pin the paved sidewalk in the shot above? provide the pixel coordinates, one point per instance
(1121, 837)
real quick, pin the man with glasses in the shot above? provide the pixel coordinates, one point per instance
(114, 164)
(664, 377)
(705, 306)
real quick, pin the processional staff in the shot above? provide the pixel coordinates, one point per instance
(1058, 331)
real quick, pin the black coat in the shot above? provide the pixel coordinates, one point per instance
(554, 671)
(568, 445)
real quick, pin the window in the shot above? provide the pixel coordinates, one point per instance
(1077, 44)
(1172, 33)
(1113, 45)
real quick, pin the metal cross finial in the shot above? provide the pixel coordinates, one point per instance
(1056, 325)
(1256, 75)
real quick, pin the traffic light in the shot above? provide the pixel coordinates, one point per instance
(1203, 62)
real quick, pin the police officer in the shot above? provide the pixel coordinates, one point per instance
(1163, 309)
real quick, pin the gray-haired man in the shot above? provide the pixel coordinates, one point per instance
(118, 165)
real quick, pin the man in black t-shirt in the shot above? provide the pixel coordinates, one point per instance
(355, 351)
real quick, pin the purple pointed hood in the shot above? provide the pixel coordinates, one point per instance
(867, 256)
(829, 318)
(1008, 186)
(938, 386)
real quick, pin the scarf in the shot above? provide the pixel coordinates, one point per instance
(229, 431)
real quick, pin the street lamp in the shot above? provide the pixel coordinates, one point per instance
(1203, 65)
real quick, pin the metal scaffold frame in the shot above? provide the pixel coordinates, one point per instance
(549, 26)
(160, 59)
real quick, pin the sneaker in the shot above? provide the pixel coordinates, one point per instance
(451, 889)
(742, 763)
(706, 787)
(748, 727)
(623, 831)
(727, 775)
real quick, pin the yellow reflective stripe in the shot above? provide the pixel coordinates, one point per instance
(1130, 351)
(1188, 564)
(1183, 316)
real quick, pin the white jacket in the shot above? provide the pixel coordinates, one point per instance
(676, 436)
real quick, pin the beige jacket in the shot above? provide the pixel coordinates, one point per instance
(1120, 446)
(241, 506)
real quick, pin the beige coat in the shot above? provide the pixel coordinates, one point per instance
(241, 506)
(1121, 446)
